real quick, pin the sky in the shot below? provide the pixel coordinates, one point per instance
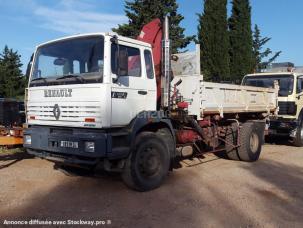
(26, 23)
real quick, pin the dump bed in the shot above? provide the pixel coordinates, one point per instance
(217, 98)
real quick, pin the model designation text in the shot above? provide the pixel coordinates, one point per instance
(58, 93)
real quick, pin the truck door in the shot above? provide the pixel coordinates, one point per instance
(151, 98)
(129, 93)
(299, 94)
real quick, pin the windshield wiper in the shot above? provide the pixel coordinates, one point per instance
(38, 79)
(80, 78)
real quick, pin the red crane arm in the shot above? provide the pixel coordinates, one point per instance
(152, 33)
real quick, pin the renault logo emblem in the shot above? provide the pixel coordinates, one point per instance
(56, 111)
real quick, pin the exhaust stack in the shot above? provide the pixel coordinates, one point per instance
(166, 67)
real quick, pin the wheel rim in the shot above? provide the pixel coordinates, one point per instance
(301, 133)
(149, 162)
(254, 142)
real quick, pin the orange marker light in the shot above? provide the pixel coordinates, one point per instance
(90, 120)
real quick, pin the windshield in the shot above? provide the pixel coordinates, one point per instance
(66, 61)
(286, 83)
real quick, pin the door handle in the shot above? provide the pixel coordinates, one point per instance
(141, 92)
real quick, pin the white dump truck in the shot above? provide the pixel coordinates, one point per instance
(109, 101)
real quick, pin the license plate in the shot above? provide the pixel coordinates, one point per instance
(69, 144)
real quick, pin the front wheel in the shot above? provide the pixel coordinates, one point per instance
(298, 140)
(148, 164)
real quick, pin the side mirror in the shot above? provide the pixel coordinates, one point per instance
(122, 58)
(299, 96)
(122, 63)
(29, 66)
(59, 62)
(114, 39)
(28, 70)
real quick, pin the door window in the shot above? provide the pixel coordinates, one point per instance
(134, 59)
(149, 64)
(300, 85)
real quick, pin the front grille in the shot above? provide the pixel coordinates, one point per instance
(287, 108)
(67, 112)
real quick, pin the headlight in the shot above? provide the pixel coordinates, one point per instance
(89, 147)
(27, 139)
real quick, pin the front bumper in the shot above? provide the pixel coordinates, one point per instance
(46, 143)
(282, 127)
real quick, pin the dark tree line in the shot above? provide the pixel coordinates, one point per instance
(241, 41)
(12, 81)
(214, 41)
(140, 12)
(229, 47)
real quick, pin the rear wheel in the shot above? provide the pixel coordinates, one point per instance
(148, 164)
(251, 140)
(231, 141)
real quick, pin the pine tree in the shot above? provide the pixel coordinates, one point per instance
(214, 40)
(12, 82)
(140, 12)
(259, 54)
(241, 41)
(2, 81)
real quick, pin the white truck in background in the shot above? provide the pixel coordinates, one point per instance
(289, 121)
(102, 100)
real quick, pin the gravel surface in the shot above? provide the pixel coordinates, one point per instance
(216, 193)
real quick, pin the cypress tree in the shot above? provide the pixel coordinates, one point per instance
(12, 82)
(140, 12)
(241, 41)
(214, 40)
(259, 53)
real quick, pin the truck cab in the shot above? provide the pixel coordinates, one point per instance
(84, 87)
(290, 101)
(78, 78)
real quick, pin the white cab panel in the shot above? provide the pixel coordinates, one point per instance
(75, 103)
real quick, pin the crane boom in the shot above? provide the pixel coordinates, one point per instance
(152, 33)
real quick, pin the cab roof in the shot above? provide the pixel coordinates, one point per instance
(112, 34)
(273, 74)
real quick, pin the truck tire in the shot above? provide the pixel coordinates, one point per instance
(165, 134)
(298, 140)
(148, 164)
(231, 139)
(251, 140)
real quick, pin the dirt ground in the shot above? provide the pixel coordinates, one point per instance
(216, 193)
